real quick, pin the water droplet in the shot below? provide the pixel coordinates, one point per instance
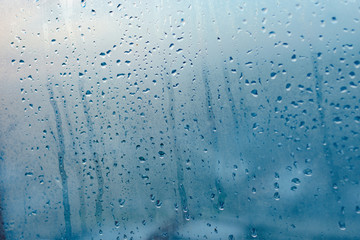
(342, 225)
(221, 206)
(253, 233)
(337, 120)
(161, 153)
(142, 159)
(254, 93)
(273, 75)
(296, 181)
(288, 86)
(117, 224)
(272, 34)
(357, 119)
(357, 210)
(277, 196)
(121, 202)
(333, 20)
(307, 172)
(352, 75)
(357, 63)
(158, 203)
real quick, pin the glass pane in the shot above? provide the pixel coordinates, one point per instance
(179, 119)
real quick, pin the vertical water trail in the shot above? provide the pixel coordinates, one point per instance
(67, 13)
(180, 188)
(60, 139)
(226, 79)
(212, 120)
(82, 211)
(323, 128)
(95, 157)
(328, 156)
(214, 141)
(179, 162)
(61, 162)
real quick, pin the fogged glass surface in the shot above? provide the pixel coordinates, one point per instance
(180, 119)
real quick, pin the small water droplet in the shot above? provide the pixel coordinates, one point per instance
(121, 202)
(352, 75)
(221, 206)
(333, 20)
(158, 203)
(253, 233)
(254, 93)
(357, 63)
(277, 196)
(142, 159)
(117, 224)
(161, 153)
(273, 75)
(357, 210)
(296, 181)
(357, 119)
(342, 225)
(307, 172)
(288, 86)
(337, 120)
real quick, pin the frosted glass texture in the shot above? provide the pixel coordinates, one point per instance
(180, 119)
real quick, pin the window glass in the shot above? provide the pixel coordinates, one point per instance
(179, 119)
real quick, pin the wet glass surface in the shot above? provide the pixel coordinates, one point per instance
(179, 119)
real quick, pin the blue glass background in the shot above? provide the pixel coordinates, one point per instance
(180, 119)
